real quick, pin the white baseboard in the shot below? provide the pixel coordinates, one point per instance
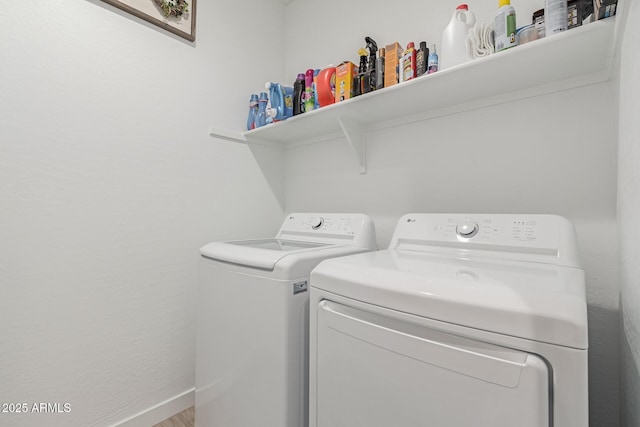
(161, 411)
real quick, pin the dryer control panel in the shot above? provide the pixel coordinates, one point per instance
(549, 238)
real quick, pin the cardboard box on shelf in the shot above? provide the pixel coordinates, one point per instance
(393, 53)
(344, 80)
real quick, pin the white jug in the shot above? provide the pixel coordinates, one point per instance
(453, 50)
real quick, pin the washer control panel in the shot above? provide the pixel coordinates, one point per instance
(319, 224)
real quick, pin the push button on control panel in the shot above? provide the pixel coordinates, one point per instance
(467, 229)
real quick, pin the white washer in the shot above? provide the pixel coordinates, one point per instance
(253, 306)
(466, 320)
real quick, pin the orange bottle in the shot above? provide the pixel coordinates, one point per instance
(326, 86)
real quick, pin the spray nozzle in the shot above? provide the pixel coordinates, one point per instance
(371, 45)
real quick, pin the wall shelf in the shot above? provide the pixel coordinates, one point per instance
(575, 58)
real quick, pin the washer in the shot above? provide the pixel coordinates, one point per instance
(253, 307)
(465, 320)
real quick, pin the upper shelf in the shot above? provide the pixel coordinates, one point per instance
(570, 59)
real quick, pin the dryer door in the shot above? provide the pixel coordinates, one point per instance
(380, 371)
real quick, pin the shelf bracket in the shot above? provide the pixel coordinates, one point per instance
(354, 134)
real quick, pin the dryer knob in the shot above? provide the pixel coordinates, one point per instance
(316, 222)
(467, 229)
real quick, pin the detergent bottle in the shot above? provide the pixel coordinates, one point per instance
(316, 72)
(326, 86)
(281, 100)
(261, 117)
(298, 94)
(253, 112)
(453, 49)
(309, 95)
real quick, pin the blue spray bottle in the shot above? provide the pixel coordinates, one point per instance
(253, 112)
(261, 117)
(432, 62)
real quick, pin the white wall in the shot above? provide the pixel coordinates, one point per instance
(628, 213)
(541, 155)
(109, 184)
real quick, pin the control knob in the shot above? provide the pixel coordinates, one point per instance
(316, 222)
(467, 229)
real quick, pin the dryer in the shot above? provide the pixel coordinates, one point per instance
(252, 326)
(465, 320)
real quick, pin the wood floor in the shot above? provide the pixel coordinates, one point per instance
(183, 419)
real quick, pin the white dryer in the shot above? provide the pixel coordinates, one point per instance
(466, 320)
(252, 331)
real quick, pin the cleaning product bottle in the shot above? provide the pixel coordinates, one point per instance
(504, 26)
(278, 95)
(380, 69)
(253, 111)
(288, 102)
(298, 95)
(309, 97)
(555, 16)
(326, 86)
(358, 79)
(408, 63)
(432, 62)
(421, 59)
(261, 116)
(370, 75)
(538, 21)
(453, 49)
(316, 72)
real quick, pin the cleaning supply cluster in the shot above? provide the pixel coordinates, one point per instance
(463, 40)
(377, 69)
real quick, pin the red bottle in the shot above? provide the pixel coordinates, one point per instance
(408, 63)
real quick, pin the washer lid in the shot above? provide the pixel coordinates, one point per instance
(260, 253)
(535, 301)
(311, 237)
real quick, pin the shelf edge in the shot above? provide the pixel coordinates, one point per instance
(227, 135)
